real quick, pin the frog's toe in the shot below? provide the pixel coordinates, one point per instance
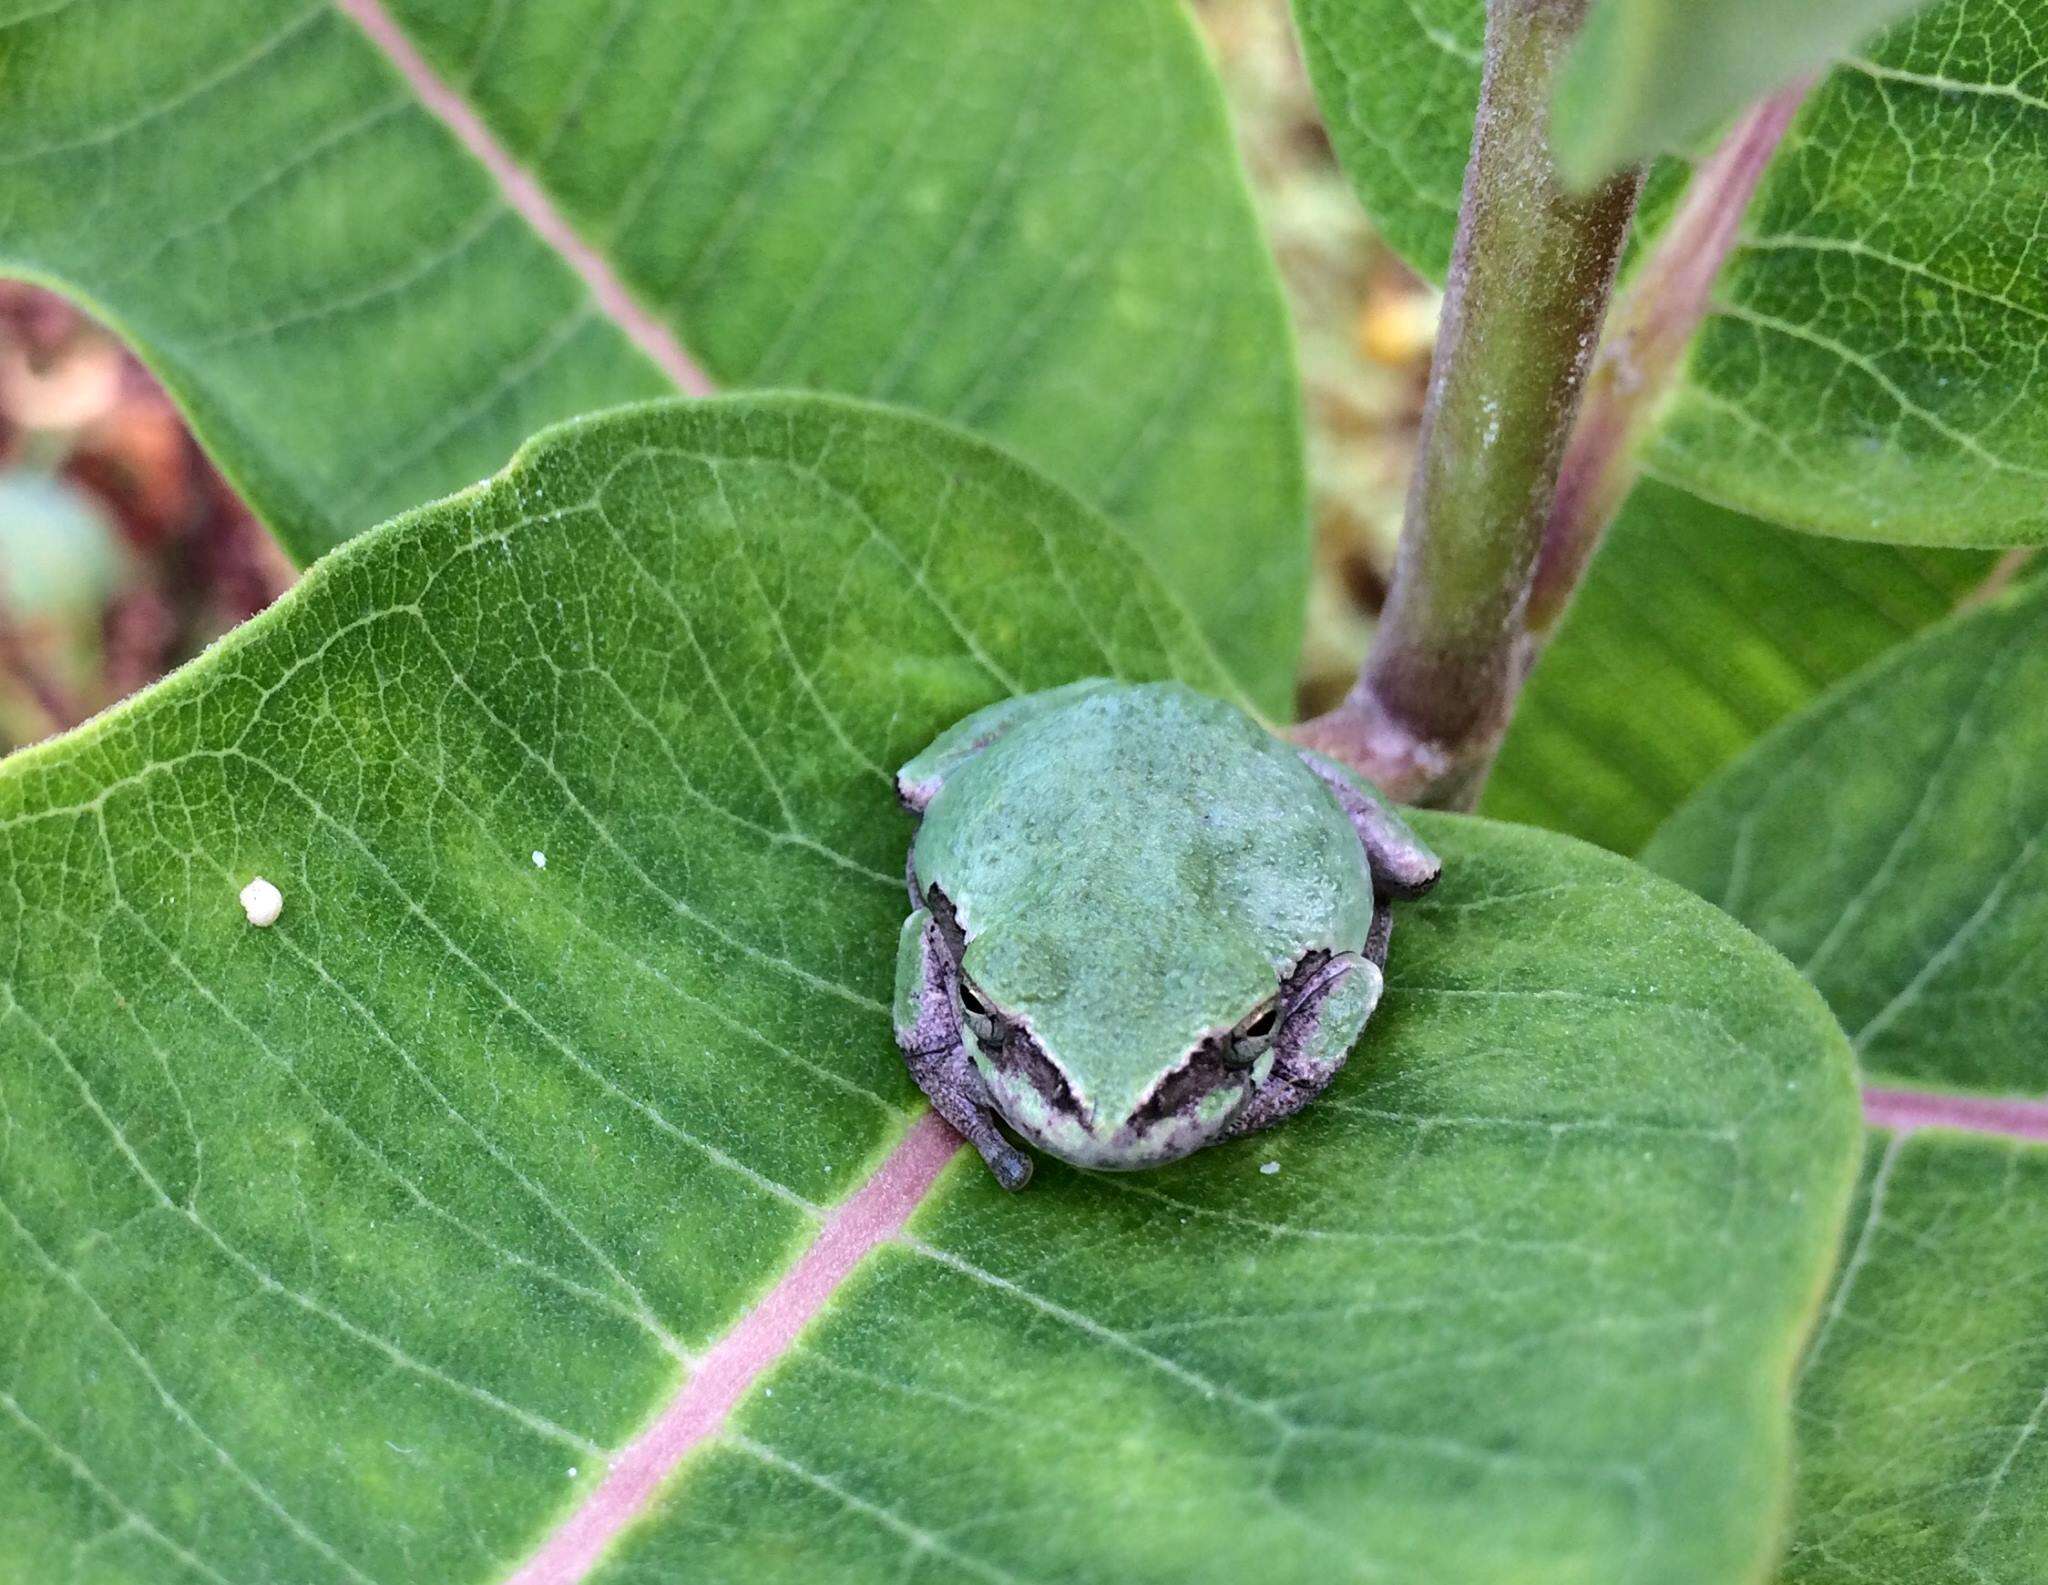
(974, 1122)
(1010, 1165)
(955, 1089)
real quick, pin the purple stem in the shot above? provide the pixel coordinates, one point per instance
(1530, 281)
(1653, 325)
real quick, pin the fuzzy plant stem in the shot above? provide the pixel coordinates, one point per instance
(1652, 326)
(1530, 280)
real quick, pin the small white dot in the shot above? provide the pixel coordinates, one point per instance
(540, 859)
(572, 1471)
(1270, 1168)
(262, 902)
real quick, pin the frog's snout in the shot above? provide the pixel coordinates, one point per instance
(1125, 1145)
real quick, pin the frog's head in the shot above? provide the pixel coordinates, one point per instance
(1151, 1047)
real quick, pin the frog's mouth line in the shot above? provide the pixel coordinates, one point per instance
(1204, 1073)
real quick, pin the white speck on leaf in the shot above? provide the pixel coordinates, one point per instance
(540, 859)
(1269, 1168)
(262, 902)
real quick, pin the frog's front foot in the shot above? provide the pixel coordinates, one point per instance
(928, 1030)
(1010, 1165)
(957, 1094)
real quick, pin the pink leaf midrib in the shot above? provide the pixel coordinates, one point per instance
(525, 196)
(874, 1214)
(1907, 1111)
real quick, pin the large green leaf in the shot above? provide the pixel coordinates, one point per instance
(1921, 1398)
(1890, 842)
(1424, 1348)
(1026, 218)
(1696, 631)
(1874, 364)
(1647, 76)
(353, 1248)
(1890, 838)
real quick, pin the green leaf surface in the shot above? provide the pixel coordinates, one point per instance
(1650, 76)
(1874, 366)
(1890, 839)
(1920, 1402)
(350, 1249)
(1027, 219)
(1696, 631)
(1423, 1348)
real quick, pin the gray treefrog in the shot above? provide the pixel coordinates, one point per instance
(1140, 923)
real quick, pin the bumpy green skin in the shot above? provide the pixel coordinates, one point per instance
(1132, 874)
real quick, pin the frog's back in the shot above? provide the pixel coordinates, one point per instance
(1163, 813)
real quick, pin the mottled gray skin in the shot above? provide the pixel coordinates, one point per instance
(1140, 924)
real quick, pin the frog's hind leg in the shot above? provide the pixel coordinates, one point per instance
(1402, 864)
(929, 1033)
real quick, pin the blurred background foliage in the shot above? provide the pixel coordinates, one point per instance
(123, 553)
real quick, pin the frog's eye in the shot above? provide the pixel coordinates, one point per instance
(975, 1011)
(1250, 1039)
